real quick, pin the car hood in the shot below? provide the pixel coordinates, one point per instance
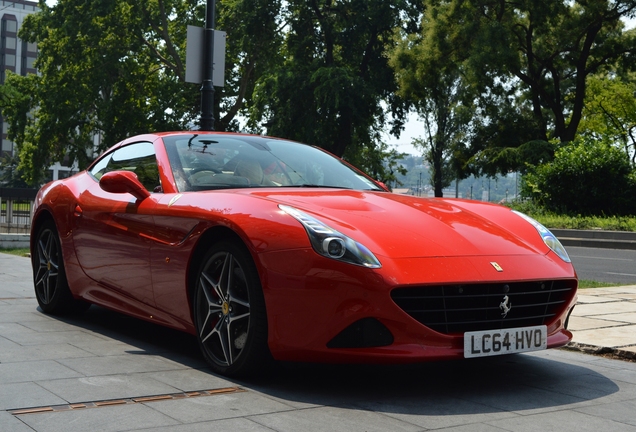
(402, 226)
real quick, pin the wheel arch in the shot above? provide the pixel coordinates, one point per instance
(39, 219)
(209, 237)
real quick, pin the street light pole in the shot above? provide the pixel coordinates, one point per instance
(207, 89)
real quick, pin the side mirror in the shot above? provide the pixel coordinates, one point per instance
(123, 182)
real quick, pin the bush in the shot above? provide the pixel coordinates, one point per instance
(585, 177)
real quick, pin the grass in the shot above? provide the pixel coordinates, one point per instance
(553, 220)
(583, 283)
(23, 252)
(614, 223)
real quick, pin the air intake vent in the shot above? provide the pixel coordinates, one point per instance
(364, 333)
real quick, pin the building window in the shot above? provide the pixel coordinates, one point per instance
(7, 146)
(11, 26)
(10, 42)
(30, 63)
(8, 60)
(8, 45)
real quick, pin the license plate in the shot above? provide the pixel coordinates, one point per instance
(506, 341)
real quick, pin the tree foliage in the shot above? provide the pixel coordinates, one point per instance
(610, 111)
(328, 89)
(10, 175)
(434, 84)
(528, 62)
(380, 162)
(587, 177)
(113, 68)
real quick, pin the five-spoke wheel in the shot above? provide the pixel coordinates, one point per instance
(229, 311)
(49, 278)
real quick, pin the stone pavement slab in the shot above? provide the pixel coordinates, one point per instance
(604, 320)
(11, 423)
(99, 388)
(569, 421)
(106, 372)
(334, 419)
(16, 280)
(26, 394)
(606, 308)
(609, 337)
(629, 317)
(111, 419)
(582, 323)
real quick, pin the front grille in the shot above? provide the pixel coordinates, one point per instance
(453, 309)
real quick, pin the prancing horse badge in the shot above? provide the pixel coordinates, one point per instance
(496, 266)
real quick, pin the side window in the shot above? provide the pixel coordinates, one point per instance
(138, 158)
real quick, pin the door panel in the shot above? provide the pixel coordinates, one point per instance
(111, 241)
(113, 230)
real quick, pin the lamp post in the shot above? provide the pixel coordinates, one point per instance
(207, 89)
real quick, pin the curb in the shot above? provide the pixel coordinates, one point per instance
(596, 238)
(597, 350)
(9, 241)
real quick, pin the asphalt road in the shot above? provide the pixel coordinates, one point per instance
(604, 265)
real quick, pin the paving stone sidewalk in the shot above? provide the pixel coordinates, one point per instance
(107, 372)
(604, 321)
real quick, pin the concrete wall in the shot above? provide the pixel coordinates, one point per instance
(14, 241)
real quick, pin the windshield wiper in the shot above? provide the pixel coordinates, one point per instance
(309, 185)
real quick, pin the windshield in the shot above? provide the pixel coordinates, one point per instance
(210, 161)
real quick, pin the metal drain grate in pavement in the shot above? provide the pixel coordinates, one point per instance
(127, 401)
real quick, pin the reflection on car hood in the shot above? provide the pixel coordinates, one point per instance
(402, 226)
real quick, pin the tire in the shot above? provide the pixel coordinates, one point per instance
(49, 276)
(229, 312)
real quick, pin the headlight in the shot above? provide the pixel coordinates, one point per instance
(330, 243)
(548, 238)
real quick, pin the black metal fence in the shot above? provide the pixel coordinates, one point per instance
(16, 210)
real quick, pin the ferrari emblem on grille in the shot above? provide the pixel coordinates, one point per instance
(505, 306)
(496, 266)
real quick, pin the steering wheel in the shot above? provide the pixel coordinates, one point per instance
(205, 168)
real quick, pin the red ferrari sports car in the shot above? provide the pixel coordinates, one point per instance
(265, 248)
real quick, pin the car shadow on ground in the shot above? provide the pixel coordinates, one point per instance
(515, 383)
(145, 338)
(518, 382)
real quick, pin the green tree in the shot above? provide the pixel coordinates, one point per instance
(610, 112)
(588, 177)
(114, 68)
(529, 61)
(96, 78)
(253, 49)
(380, 162)
(434, 84)
(328, 90)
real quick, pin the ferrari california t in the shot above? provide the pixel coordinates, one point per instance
(267, 249)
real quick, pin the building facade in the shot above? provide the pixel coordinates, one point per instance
(15, 55)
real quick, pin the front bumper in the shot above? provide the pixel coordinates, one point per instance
(311, 301)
